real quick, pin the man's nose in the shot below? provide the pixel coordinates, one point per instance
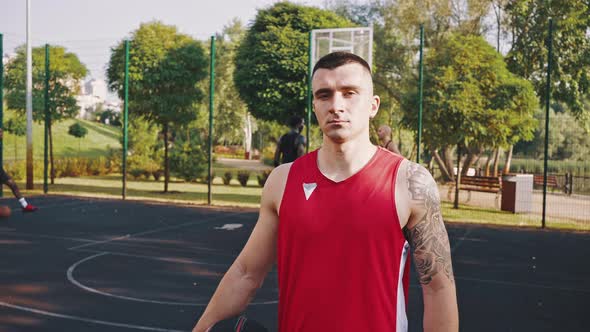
(337, 103)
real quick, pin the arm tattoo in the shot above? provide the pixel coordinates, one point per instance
(428, 238)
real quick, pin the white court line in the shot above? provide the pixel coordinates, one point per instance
(70, 276)
(461, 240)
(162, 259)
(86, 320)
(49, 236)
(156, 230)
(135, 243)
(100, 242)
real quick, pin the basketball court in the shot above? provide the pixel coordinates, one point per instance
(81, 264)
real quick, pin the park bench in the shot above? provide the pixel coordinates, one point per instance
(551, 181)
(488, 184)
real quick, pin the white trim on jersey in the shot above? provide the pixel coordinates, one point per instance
(402, 318)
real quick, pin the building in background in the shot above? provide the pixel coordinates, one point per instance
(93, 100)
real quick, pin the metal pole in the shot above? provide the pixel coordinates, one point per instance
(47, 119)
(420, 92)
(457, 178)
(309, 92)
(211, 99)
(29, 102)
(125, 118)
(547, 102)
(1, 101)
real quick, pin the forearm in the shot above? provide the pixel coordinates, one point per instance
(440, 310)
(231, 298)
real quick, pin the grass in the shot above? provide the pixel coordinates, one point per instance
(238, 196)
(95, 144)
(477, 215)
(110, 186)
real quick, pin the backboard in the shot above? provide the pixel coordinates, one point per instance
(354, 40)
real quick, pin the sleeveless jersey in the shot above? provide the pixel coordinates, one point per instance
(342, 256)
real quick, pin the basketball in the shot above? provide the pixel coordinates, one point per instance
(4, 211)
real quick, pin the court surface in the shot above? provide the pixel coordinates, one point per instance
(106, 265)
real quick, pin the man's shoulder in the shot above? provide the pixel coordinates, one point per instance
(300, 139)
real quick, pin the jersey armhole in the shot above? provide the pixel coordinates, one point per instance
(393, 201)
(280, 207)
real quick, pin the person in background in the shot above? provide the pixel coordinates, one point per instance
(7, 180)
(384, 133)
(291, 145)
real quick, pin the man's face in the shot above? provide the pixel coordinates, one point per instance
(343, 101)
(300, 126)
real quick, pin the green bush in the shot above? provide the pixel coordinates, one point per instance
(262, 177)
(63, 167)
(227, 178)
(243, 177)
(157, 174)
(114, 160)
(71, 167)
(16, 169)
(137, 173)
(533, 166)
(98, 166)
(188, 162)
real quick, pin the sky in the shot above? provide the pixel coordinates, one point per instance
(90, 28)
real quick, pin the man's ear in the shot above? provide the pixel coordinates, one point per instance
(375, 102)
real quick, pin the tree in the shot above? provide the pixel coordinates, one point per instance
(271, 65)
(17, 126)
(528, 22)
(471, 100)
(66, 72)
(395, 33)
(79, 131)
(229, 108)
(188, 160)
(567, 138)
(165, 67)
(144, 146)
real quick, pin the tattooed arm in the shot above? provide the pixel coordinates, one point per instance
(429, 242)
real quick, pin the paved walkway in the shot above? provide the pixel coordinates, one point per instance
(574, 207)
(253, 165)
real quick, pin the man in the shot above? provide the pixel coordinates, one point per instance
(291, 145)
(384, 133)
(7, 180)
(339, 221)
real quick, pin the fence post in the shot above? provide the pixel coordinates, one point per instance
(547, 99)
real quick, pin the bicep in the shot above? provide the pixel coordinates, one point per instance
(259, 253)
(426, 231)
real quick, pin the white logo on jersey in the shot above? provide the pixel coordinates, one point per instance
(308, 189)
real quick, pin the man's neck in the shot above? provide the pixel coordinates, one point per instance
(338, 162)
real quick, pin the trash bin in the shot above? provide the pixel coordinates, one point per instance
(517, 193)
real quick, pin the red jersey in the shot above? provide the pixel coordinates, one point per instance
(342, 256)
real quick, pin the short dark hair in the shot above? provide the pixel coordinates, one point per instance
(295, 121)
(336, 59)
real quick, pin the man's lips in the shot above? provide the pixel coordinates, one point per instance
(337, 121)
